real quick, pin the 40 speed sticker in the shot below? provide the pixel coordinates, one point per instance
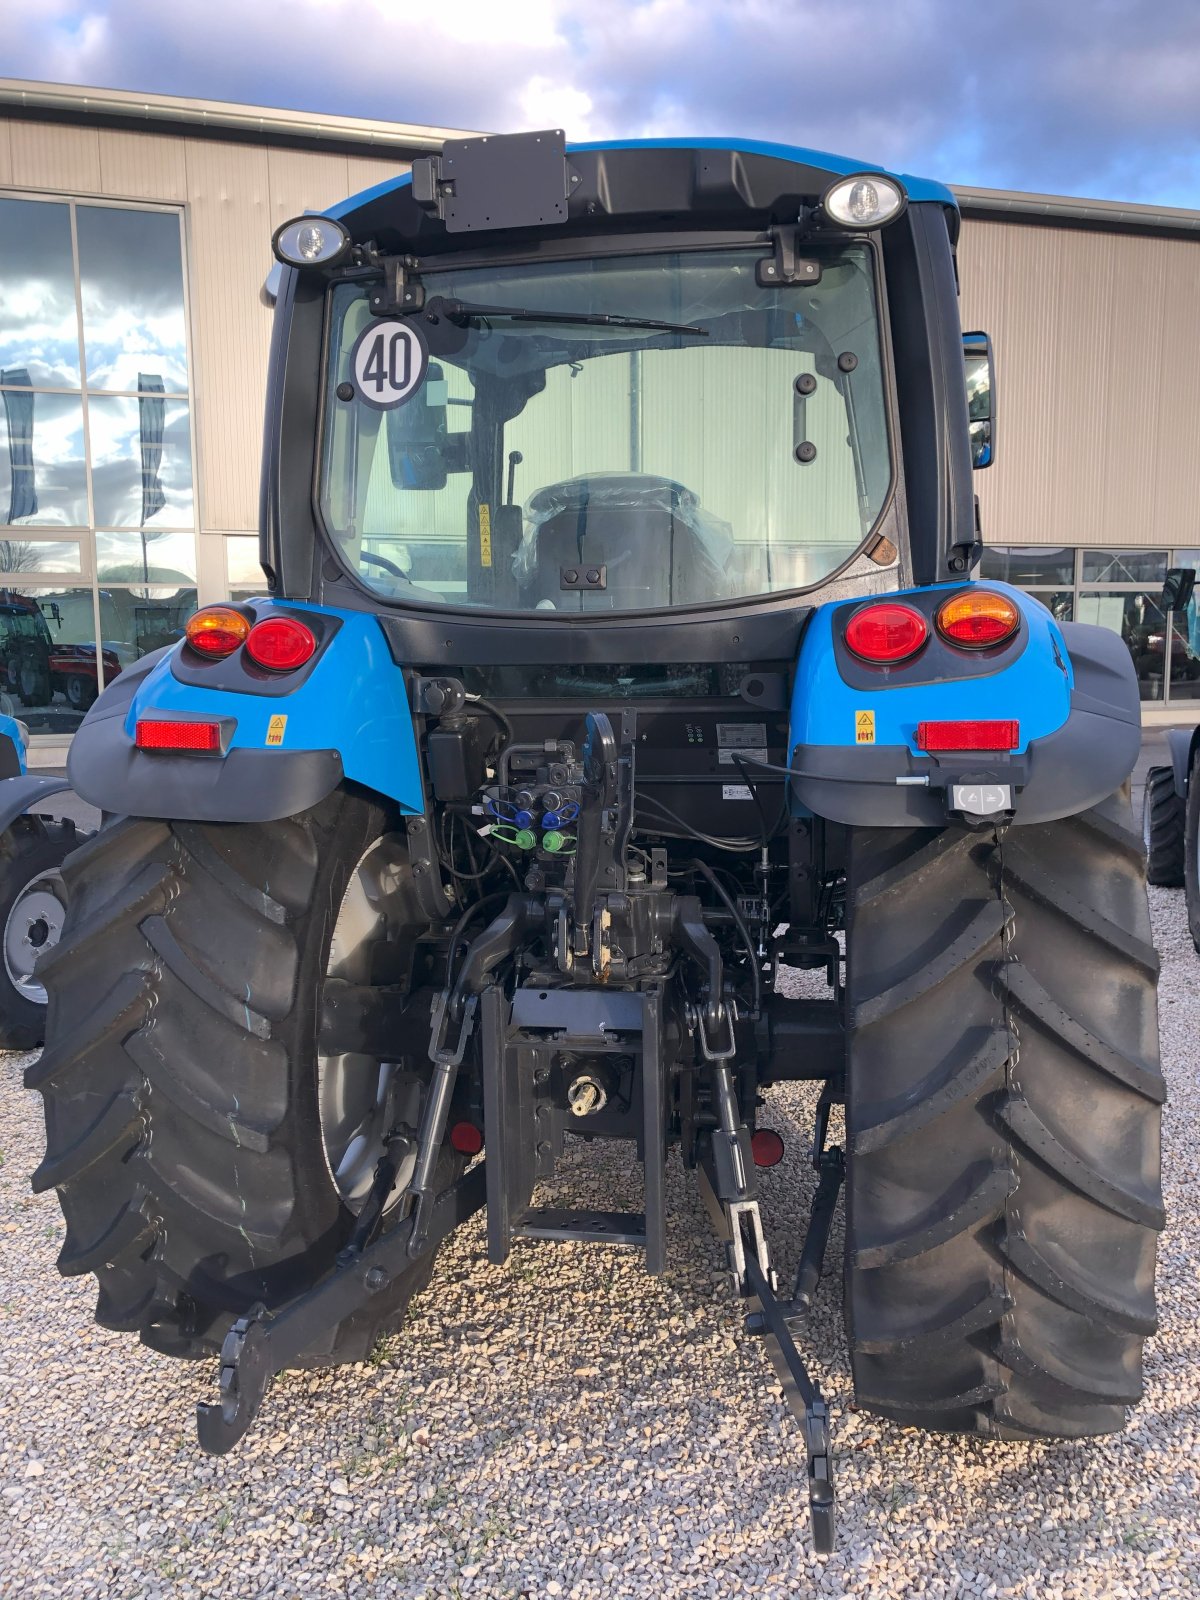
(388, 362)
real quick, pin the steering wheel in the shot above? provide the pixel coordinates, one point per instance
(372, 560)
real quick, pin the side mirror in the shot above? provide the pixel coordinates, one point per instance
(417, 435)
(981, 402)
(1177, 588)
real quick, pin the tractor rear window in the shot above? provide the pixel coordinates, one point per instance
(618, 434)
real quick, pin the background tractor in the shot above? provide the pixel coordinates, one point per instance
(32, 896)
(619, 653)
(1171, 802)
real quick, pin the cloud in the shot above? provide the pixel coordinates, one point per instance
(1098, 99)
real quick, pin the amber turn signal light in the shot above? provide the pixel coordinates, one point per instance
(217, 631)
(975, 619)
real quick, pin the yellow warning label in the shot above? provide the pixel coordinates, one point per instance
(485, 536)
(275, 729)
(864, 727)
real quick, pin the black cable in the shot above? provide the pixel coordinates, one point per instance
(768, 832)
(823, 777)
(739, 923)
(738, 846)
(446, 856)
(505, 726)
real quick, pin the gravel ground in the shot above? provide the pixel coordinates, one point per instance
(567, 1426)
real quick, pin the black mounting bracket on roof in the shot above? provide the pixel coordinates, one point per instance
(504, 180)
(786, 264)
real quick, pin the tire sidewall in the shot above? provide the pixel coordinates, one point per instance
(1191, 852)
(26, 852)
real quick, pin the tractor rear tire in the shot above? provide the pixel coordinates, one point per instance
(1162, 829)
(181, 1080)
(1003, 1108)
(32, 911)
(1191, 853)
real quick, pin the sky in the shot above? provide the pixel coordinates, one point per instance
(1100, 99)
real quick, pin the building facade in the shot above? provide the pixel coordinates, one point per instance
(134, 326)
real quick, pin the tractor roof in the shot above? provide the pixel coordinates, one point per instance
(761, 175)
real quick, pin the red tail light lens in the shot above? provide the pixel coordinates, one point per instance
(766, 1147)
(159, 734)
(886, 633)
(280, 644)
(466, 1138)
(968, 735)
(978, 618)
(217, 631)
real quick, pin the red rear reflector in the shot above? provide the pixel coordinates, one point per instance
(466, 1138)
(886, 633)
(281, 644)
(968, 735)
(178, 735)
(766, 1147)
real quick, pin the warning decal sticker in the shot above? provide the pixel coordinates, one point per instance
(275, 729)
(485, 535)
(864, 727)
(388, 363)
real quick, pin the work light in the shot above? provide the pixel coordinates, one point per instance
(863, 200)
(310, 242)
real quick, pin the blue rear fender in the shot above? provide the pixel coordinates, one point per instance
(288, 739)
(1071, 689)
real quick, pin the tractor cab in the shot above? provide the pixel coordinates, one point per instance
(599, 382)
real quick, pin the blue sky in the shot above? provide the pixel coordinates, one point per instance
(1099, 99)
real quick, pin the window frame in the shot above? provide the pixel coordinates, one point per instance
(85, 534)
(587, 249)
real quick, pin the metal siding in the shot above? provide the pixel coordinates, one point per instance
(364, 172)
(1095, 335)
(5, 151)
(55, 156)
(229, 230)
(301, 181)
(142, 166)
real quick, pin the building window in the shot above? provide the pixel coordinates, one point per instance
(244, 576)
(96, 457)
(1120, 590)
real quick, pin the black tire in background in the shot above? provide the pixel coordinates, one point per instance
(33, 681)
(1191, 853)
(80, 691)
(1162, 829)
(32, 910)
(1003, 1107)
(181, 1079)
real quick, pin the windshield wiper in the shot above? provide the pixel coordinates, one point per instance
(469, 311)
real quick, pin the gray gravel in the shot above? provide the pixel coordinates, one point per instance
(567, 1426)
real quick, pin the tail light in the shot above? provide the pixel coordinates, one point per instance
(466, 1138)
(1000, 735)
(280, 644)
(886, 633)
(766, 1147)
(977, 619)
(217, 631)
(157, 733)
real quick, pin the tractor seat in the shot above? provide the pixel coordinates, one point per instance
(659, 548)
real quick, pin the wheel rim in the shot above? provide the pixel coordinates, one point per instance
(359, 1097)
(34, 926)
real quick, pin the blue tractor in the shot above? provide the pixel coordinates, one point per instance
(621, 733)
